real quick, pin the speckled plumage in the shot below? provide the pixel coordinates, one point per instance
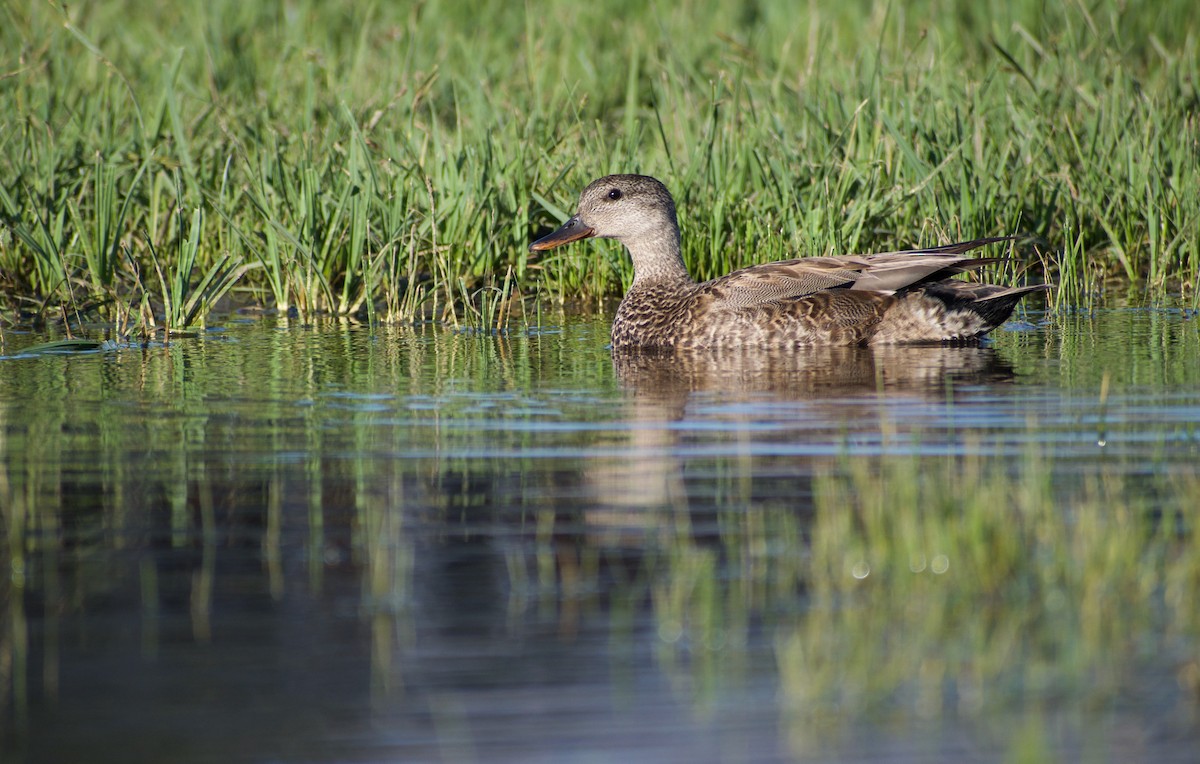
(894, 297)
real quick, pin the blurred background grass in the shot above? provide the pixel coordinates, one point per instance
(395, 159)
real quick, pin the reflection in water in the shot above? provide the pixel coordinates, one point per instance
(662, 384)
(820, 372)
(324, 544)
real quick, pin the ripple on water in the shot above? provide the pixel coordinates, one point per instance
(333, 543)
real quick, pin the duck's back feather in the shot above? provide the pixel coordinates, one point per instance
(887, 272)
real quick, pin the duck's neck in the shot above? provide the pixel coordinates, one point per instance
(657, 259)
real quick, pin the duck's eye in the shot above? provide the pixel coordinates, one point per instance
(614, 194)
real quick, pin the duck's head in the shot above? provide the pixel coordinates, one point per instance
(630, 208)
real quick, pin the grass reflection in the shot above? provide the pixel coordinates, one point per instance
(950, 588)
(14, 631)
(955, 587)
(378, 530)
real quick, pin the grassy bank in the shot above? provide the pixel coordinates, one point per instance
(394, 160)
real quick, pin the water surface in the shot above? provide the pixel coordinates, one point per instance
(279, 542)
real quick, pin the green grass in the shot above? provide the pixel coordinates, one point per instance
(391, 159)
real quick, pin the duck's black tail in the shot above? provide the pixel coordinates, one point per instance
(994, 304)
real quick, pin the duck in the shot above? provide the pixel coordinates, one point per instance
(887, 298)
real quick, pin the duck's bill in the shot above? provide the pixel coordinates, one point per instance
(572, 230)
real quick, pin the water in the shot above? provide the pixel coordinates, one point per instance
(296, 543)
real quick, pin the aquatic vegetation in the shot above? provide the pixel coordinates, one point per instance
(390, 160)
(184, 300)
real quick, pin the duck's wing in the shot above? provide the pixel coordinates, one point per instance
(887, 272)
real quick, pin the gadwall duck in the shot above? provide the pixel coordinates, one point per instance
(894, 297)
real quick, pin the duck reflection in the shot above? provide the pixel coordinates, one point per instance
(817, 372)
(767, 414)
